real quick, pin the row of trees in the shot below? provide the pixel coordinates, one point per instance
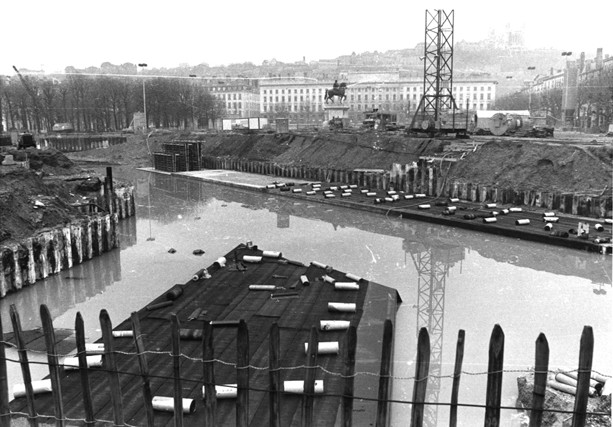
(104, 103)
(594, 101)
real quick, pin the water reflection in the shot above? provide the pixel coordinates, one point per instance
(553, 259)
(448, 278)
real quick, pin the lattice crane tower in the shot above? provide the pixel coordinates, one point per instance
(437, 95)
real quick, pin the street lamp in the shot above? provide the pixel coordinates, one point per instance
(192, 92)
(143, 65)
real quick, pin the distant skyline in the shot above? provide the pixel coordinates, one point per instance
(53, 35)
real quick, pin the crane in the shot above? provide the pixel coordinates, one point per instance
(32, 94)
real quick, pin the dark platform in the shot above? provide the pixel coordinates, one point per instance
(225, 296)
(505, 224)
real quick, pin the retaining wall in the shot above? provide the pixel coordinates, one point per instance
(429, 179)
(58, 249)
(70, 143)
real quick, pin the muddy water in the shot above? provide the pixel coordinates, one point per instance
(449, 279)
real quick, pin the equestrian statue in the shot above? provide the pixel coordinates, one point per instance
(337, 90)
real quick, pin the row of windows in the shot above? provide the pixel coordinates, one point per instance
(229, 96)
(369, 89)
(352, 107)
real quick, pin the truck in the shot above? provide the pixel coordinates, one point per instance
(379, 121)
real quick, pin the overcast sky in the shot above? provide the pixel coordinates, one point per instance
(50, 35)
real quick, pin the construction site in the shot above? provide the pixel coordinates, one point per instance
(516, 209)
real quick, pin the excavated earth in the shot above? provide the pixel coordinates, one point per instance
(58, 180)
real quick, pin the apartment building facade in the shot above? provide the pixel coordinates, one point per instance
(303, 100)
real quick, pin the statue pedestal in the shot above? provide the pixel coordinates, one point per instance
(332, 111)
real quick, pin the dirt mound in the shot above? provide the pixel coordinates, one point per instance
(370, 150)
(538, 166)
(49, 162)
(30, 203)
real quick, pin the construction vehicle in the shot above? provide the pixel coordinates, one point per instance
(379, 121)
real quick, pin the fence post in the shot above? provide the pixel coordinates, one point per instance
(274, 376)
(176, 370)
(586, 351)
(541, 367)
(384, 374)
(111, 366)
(25, 367)
(351, 340)
(54, 370)
(242, 375)
(494, 378)
(210, 397)
(144, 367)
(309, 379)
(88, 405)
(5, 421)
(422, 367)
(457, 372)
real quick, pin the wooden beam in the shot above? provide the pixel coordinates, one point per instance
(52, 359)
(384, 374)
(586, 353)
(25, 366)
(457, 372)
(422, 368)
(494, 378)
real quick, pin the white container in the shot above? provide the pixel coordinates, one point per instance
(342, 307)
(304, 280)
(371, 194)
(490, 205)
(334, 325)
(72, 362)
(225, 391)
(167, 404)
(123, 334)
(346, 195)
(334, 188)
(262, 287)
(353, 185)
(324, 347)
(297, 387)
(548, 226)
(364, 191)
(453, 200)
(549, 214)
(42, 386)
(353, 277)
(346, 286)
(94, 348)
(451, 208)
(328, 279)
(408, 196)
(329, 196)
(252, 259)
(551, 219)
(319, 264)
(515, 209)
(489, 220)
(524, 221)
(419, 195)
(310, 193)
(271, 254)
(389, 199)
(221, 261)
(296, 190)
(425, 206)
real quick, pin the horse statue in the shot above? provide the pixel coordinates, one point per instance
(340, 92)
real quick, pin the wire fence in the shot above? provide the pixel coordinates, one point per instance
(51, 409)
